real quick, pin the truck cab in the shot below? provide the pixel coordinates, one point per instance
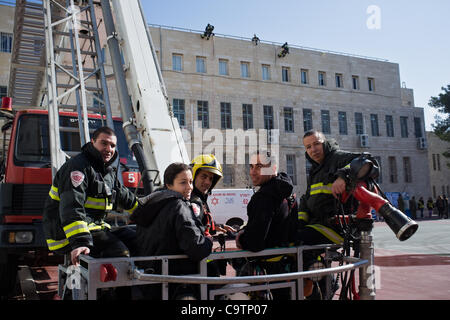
(26, 178)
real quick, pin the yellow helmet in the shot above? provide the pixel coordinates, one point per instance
(209, 163)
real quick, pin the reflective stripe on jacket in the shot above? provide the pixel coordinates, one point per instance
(83, 191)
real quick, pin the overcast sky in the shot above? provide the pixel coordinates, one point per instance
(413, 34)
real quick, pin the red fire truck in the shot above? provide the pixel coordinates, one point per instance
(26, 178)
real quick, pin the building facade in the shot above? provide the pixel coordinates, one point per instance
(237, 85)
(439, 166)
(231, 96)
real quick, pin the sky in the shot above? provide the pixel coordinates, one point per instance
(413, 34)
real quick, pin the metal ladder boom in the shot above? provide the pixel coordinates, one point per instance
(74, 70)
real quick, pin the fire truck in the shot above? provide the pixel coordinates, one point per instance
(59, 94)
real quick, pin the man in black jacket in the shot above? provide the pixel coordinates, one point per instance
(268, 211)
(84, 190)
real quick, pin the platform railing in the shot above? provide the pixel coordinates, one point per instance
(86, 279)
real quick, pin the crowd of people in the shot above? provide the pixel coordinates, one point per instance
(417, 208)
(176, 219)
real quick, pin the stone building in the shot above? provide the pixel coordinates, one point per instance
(235, 84)
(232, 95)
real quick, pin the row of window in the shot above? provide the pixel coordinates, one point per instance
(288, 115)
(291, 170)
(200, 67)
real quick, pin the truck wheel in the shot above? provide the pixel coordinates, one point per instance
(235, 223)
(8, 274)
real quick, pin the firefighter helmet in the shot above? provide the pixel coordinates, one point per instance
(207, 162)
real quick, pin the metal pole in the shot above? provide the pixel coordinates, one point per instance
(107, 103)
(75, 19)
(129, 128)
(57, 155)
(367, 273)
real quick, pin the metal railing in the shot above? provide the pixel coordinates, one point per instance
(273, 43)
(129, 275)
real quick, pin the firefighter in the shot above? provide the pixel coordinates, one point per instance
(325, 183)
(206, 172)
(84, 190)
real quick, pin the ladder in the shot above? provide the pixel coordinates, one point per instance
(75, 69)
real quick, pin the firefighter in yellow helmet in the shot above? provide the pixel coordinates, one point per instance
(206, 172)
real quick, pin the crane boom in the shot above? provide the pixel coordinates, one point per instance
(161, 134)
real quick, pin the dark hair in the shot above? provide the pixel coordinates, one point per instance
(105, 130)
(313, 132)
(172, 170)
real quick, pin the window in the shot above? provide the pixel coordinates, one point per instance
(291, 169)
(389, 126)
(418, 127)
(179, 112)
(325, 116)
(404, 127)
(407, 169)
(322, 78)
(200, 64)
(177, 62)
(434, 162)
(245, 70)
(342, 118)
(288, 119)
(307, 120)
(339, 83)
(268, 117)
(359, 125)
(371, 84)
(304, 76)
(265, 69)
(203, 113)
(374, 125)
(285, 74)
(228, 174)
(3, 91)
(355, 82)
(392, 170)
(225, 115)
(33, 145)
(247, 114)
(223, 67)
(6, 42)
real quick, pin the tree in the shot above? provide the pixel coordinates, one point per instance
(441, 127)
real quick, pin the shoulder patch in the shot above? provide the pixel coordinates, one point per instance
(77, 178)
(196, 209)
